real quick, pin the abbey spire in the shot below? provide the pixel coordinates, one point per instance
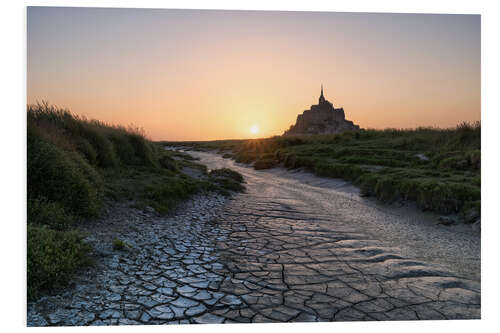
(321, 98)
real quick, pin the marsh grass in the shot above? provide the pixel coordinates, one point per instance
(438, 168)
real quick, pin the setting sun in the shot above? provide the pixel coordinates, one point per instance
(254, 129)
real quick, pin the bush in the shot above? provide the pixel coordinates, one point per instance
(338, 170)
(474, 158)
(305, 162)
(229, 184)
(245, 157)
(86, 149)
(168, 163)
(471, 211)
(166, 195)
(228, 180)
(119, 245)
(264, 164)
(52, 258)
(386, 189)
(123, 147)
(143, 150)
(52, 214)
(290, 160)
(106, 155)
(61, 177)
(455, 162)
(227, 173)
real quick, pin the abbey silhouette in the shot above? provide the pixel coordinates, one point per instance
(322, 118)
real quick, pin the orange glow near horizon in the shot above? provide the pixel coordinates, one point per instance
(206, 75)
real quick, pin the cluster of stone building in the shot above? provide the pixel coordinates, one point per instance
(322, 118)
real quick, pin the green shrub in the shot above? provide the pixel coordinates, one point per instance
(227, 173)
(367, 183)
(106, 155)
(168, 163)
(165, 196)
(61, 177)
(290, 160)
(474, 158)
(86, 149)
(338, 170)
(264, 164)
(386, 189)
(305, 162)
(143, 150)
(228, 180)
(471, 211)
(124, 149)
(52, 258)
(119, 245)
(455, 162)
(245, 157)
(229, 184)
(52, 214)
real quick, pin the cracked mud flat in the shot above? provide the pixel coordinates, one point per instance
(294, 247)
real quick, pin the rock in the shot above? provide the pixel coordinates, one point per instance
(161, 312)
(196, 310)
(230, 300)
(183, 302)
(208, 318)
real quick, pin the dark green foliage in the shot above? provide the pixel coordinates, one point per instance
(106, 153)
(123, 147)
(61, 176)
(53, 257)
(143, 150)
(290, 160)
(338, 170)
(87, 150)
(265, 163)
(471, 211)
(227, 173)
(119, 245)
(164, 196)
(52, 214)
(229, 184)
(103, 145)
(228, 179)
(245, 157)
(169, 163)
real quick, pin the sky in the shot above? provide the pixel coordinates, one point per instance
(213, 74)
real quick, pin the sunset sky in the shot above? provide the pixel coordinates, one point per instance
(202, 75)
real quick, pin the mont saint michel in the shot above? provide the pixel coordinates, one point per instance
(322, 118)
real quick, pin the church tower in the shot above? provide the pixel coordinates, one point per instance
(321, 98)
